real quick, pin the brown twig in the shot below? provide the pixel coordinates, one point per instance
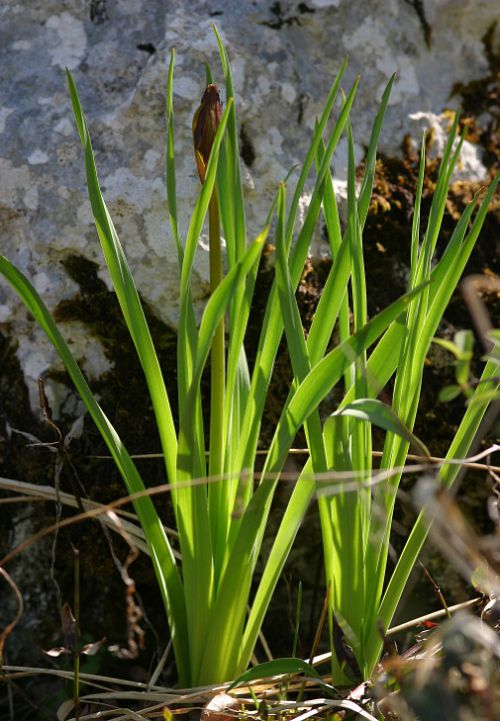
(20, 608)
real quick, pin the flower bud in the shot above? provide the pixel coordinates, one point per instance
(205, 123)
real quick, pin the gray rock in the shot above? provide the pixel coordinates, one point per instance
(284, 56)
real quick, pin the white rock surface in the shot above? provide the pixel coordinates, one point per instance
(284, 56)
(470, 165)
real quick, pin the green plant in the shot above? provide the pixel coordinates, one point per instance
(461, 348)
(356, 523)
(221, 517)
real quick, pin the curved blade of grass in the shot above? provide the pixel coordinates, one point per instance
(185, 369)
(415, 227)
(127, 294)
(486, 396)
(333, 302)
(235, 235)
(278, 667)
(311, 154)
(161, 552)
(381, 415)
(170, 161)
(371, 155)
(294, 513)
(360, 433)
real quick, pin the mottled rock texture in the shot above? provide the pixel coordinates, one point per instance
(284, 56)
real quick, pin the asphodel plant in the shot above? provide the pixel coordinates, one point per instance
(221, 514)
(356, 516)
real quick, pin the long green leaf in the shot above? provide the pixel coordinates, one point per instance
(381, 415)
(236, 238)
(127, 294)
(170, 161)
(371, 155)
(277, 667)
(161, 552)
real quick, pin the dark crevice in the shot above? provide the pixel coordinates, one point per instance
(301, 104)
(98, 12)
(303, 8)
(418, 6)
(491, 52)
(147, 48)
(280, 19)
(480, 101)
(247, 150)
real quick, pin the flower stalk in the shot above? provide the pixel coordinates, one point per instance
(205, 123)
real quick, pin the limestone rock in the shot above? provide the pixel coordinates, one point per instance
(284, 56)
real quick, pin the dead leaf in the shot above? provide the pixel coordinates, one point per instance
(221, 708)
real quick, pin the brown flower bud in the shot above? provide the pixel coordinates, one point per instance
(205, 123)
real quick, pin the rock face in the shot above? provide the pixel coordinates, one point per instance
(284, 57)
